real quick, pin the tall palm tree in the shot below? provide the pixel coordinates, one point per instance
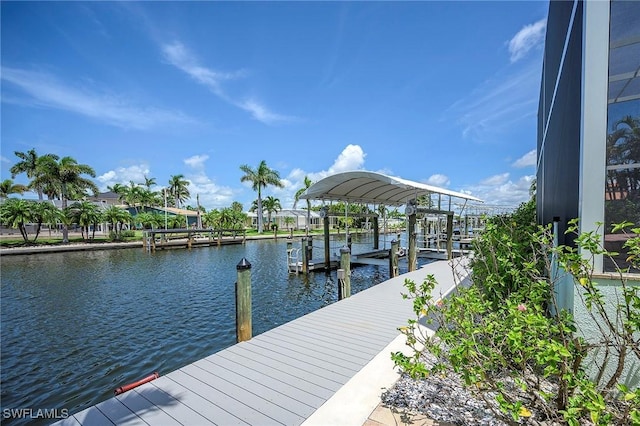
(29, 165)
(64, 178)
(179, 189)
(260, 178)
(7, 187)
(131, 195)
(271, 205)
(299, 192)
(149, 182)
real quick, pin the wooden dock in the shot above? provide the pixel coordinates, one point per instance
(282, 376)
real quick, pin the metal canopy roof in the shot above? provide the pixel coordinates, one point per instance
(373, 188)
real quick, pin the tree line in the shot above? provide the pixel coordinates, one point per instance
(66, 180)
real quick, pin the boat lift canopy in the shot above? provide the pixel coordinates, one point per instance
(374, 188)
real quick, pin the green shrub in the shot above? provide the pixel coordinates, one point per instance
(504, 341)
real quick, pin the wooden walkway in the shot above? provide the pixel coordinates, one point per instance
(279, 377)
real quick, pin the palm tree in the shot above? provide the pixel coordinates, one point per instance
(149, 182)
(85, 214)
(299, 192)
(271, 205)
(149, 220)
(29, 165)
(7, 187)
(16, 212)
(260, 178)
(64, 179)
(237, 206)
(117, 217)
(179, 189)
(211, 219)
(45, 212)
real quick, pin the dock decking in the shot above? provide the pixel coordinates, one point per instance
(279, 377)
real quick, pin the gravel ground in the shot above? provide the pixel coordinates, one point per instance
(443, 398)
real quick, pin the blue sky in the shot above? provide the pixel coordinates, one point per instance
(444, 93)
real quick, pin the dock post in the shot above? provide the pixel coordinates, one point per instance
(305, 256)
(144, 240)
(344, 287)
(327, 248)
(243, 301)
(310, 245)
(189, 241)
(349, 241)
(376, 234)
(219, 238)
(450, 235)
(411, 254)
(393, 259)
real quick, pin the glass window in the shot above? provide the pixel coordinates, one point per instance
(622, 189)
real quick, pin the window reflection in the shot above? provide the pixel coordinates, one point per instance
(622, 189)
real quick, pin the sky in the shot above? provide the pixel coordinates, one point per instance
(444, 93)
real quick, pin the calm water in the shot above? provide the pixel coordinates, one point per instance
(77, 325)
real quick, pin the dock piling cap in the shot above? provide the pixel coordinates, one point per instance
(345, 249)
(243, 264)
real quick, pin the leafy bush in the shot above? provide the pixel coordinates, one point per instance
(510, 342)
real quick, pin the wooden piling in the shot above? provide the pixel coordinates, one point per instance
(305, 256)
(376, 234)
(327, 248)
(411, 252)
(450, 235)
(243, 301)
(310, 245)
(344, 290)
(393, 259)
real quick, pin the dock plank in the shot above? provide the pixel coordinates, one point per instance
(250, 376)
(181, 412)
(138, 404)
(196, 402)
(118, 413)
(304, 383)
(272, 413)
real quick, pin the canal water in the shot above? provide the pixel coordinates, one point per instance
(74, 326)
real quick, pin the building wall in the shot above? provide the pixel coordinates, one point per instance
(574, 125)
(559, 117)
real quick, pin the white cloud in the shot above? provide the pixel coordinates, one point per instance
(495, 180)
(180, 57)
(351, 158)
(501, 190)
(123, 175)
(212, 195)
(439, 180)
(4, 159)
(499, 104)
(44, 90)
(197, 161)
(528, 38)
(527, 160)
(261, 113)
